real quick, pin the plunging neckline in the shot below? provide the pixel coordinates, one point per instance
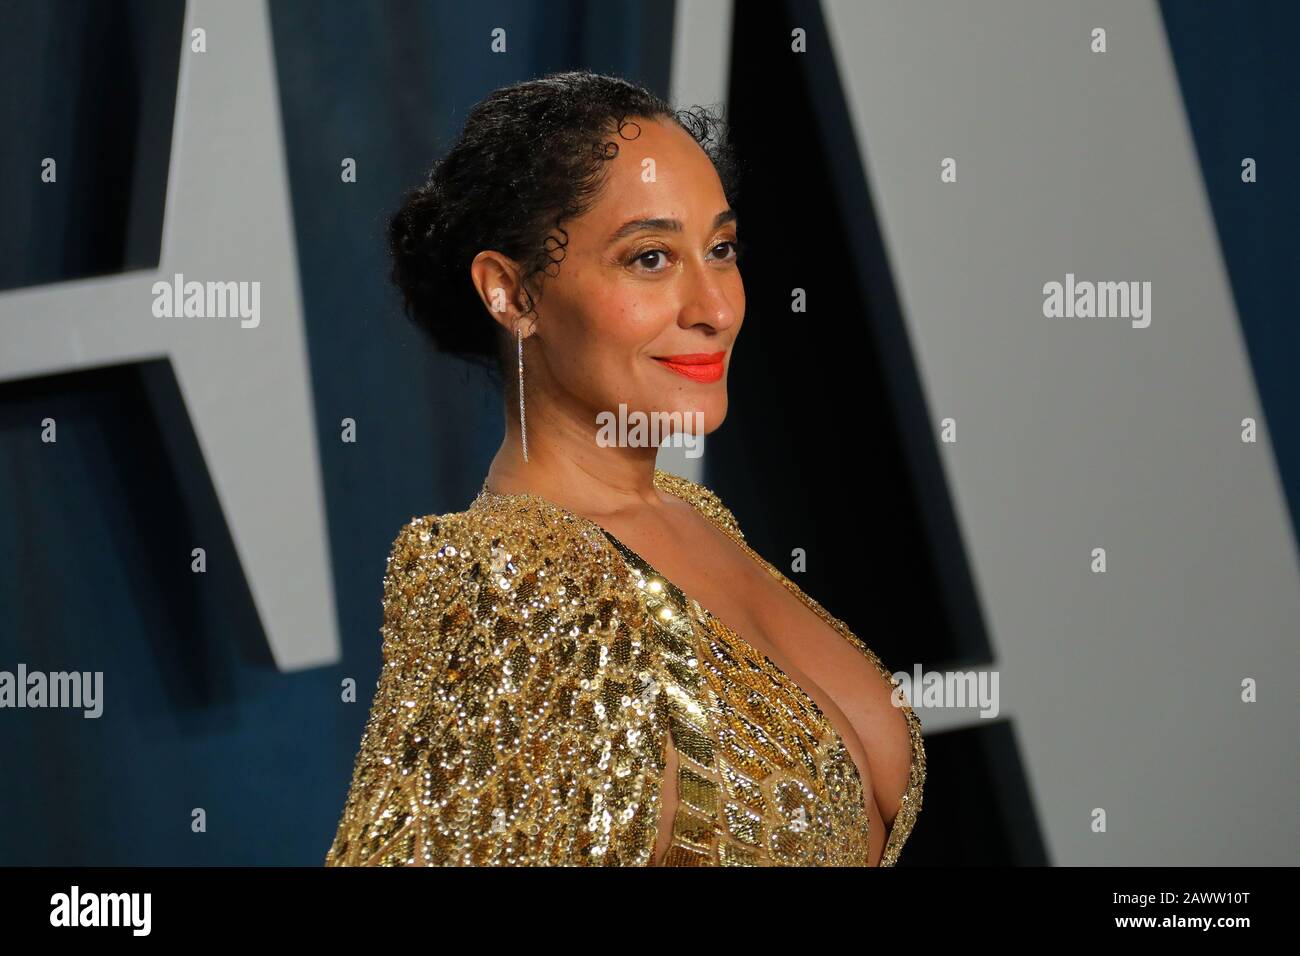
(765, 565)
(691, 603)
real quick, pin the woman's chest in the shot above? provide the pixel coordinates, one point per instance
(851, 693)
(781, 682)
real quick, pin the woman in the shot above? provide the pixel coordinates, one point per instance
(589, 665)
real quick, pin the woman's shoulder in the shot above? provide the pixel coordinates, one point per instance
(517, 547)
(704, 499)
(501, 556)
(517, 701)
(515, 530)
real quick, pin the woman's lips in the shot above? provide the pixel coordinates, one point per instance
(697, 366)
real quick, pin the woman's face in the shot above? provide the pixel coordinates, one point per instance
(649, 274)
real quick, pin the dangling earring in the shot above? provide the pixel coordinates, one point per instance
(523, 428)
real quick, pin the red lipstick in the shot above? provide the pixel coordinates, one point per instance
(697, 366)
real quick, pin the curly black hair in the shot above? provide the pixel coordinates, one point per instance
(529, 159)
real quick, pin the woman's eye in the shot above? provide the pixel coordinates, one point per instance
(648, 262)
(737, 248)
(642, 257)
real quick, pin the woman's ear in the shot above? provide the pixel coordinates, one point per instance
(497, 278)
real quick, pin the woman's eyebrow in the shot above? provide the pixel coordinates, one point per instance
(666, 225)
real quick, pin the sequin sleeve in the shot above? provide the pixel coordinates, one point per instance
(510, 725)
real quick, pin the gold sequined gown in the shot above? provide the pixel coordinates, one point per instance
(534, 672)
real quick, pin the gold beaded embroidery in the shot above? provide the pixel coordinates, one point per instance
(910, 804)
(535, 670)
